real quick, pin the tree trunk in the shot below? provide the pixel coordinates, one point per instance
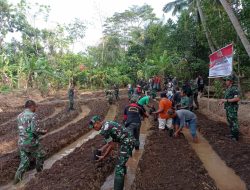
(236, 25)
(203, 22)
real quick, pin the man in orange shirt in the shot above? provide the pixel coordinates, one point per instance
(164, 118)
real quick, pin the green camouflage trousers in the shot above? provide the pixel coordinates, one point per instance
(124, 154)
(71, 103)
(232, 119)
(26, 157)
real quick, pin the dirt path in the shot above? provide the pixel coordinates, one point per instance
(65, 151)
(56, 141)
(84, 113)
(8, 142)
(7, 146)
(66, 155)
(170, 163)
(235, 154)
(57, 110)
(224, 177)
(132, 162)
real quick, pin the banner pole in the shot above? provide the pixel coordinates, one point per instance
(208, 94)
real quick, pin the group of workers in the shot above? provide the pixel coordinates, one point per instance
(172, 115)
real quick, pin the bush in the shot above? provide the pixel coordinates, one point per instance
(5, 89)
(218, 89)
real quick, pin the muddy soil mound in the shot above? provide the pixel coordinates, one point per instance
(75, 171)
(169, 163)
(54, 142)
(5, 116)
(235, 154)
(11, 127)
(9, 141)
(78, 170)
(121, 104)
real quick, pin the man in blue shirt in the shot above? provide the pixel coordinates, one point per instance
(185, 117)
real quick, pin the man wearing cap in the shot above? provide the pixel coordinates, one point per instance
(230, 101)
(183, 117)
(115, 133)
(28, 142)
(133, 114)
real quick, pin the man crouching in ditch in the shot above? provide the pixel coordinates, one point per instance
(28, 143)
(115, 133)
(184, 117)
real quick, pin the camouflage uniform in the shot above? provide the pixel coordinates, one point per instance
(130, 92)
(232, 111)
(28, 143)
(109, 96)
(116, 90)
(113, 131)
(194, 88)
(71, 98)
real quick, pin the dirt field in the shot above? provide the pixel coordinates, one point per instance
(78, 170)
(235, 154)
(53, 143)
(171, 161)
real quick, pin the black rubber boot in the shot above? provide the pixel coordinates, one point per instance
(119, 183)
(235, 136)
(18, 177)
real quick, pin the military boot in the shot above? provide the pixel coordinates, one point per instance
(119, 182)
(18, 177)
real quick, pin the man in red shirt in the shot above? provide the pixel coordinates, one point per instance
(164, 118)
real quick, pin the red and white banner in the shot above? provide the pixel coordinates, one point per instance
(221, 62)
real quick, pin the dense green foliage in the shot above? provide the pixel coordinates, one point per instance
(135, 45)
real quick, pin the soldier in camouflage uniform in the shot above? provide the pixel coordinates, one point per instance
(109, 96)
(28, 142)
(115, 133)
(194, 88)
(116, 91)
(230, 101)
(71, 94)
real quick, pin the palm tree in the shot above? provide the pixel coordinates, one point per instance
(179, 5)
(236, 25)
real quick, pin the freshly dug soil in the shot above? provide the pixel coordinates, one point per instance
(5, 116)
(11, 127)
(54, 142)
(75, 171)
(78, 170)
(170, 163)
(50, 124)
(121, 104)
(235, 154)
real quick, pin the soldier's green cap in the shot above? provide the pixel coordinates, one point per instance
(93, 120)
(230, 77)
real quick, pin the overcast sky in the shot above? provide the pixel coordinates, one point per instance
(92, 11)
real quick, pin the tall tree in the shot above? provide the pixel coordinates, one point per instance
(237, 26)
(192, 5)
